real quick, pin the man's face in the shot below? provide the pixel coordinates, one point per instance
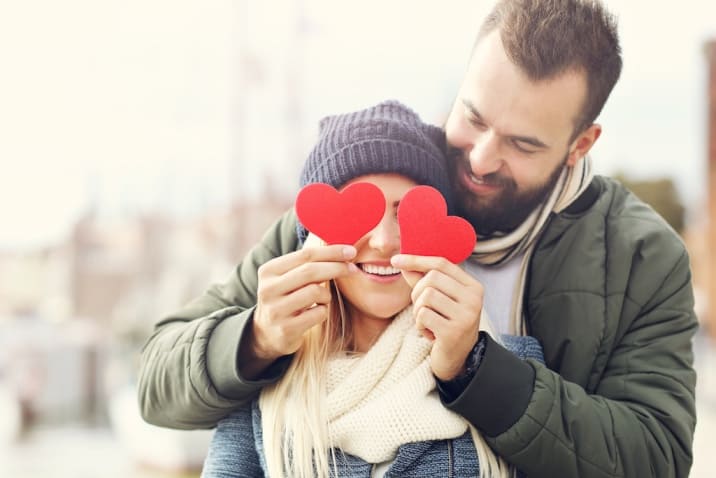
(511, 137)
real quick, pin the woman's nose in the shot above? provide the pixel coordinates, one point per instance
(385, 237)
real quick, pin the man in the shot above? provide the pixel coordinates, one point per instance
(570, 258)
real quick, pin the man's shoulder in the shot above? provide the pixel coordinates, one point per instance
(628, 219)
(636, 247)
(614, 231)
(611, 211)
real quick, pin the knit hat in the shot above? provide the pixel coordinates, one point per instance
(386, 138)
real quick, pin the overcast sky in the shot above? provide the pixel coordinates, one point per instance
(104, 100)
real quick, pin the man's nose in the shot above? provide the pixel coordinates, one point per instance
(484, 154)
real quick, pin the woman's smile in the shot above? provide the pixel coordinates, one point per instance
(381, 272)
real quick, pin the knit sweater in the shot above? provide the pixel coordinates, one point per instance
(237, 446)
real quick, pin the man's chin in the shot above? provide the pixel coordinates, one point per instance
(498, 219)
(475, 206)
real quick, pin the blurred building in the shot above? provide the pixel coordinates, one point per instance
(74, 316)
(710, 50)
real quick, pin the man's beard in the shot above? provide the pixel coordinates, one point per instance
(502, 212)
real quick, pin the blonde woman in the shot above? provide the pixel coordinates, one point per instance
(360, 397)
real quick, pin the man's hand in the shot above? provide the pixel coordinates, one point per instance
(292, 297)
(447, 303)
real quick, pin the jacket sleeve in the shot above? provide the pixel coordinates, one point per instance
(639, 420)
(188, 372)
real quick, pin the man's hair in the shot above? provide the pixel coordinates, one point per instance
(546, 38)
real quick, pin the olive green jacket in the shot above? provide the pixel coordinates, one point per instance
(609, 297)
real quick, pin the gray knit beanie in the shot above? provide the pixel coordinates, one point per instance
(386, 138)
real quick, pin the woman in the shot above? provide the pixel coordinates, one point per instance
(360, 398)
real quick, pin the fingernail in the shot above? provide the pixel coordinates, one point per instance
(349, 252)
(397, 261)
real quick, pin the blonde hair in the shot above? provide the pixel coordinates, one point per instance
(491, 465)
(296, 440)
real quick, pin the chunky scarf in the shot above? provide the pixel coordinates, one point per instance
(387, 397)
(498, 250)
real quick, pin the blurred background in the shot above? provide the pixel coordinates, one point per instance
(146, 145)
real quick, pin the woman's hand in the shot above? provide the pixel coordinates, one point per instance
(292, 297)
(447, 303)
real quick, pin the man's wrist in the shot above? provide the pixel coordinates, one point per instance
(451, 389)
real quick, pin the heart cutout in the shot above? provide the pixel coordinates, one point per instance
(427, 230)
(340, 217)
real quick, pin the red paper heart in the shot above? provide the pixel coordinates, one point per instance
(340, 217)
(427, 230)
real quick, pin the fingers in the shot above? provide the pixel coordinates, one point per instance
(288, 262)
(292, 296)
(439, 281)
(283, 310)
(436, 301)
(442, 286)
(411, 278)
(311, 273)
(452, 341)
(427, 319)
(311, 317)
(302, 299)
(279, 324)
(425, 264)
(449, 309)
(274, 283)
(447, 304)
(276, 336)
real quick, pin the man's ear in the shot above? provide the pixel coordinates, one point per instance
(583, 143)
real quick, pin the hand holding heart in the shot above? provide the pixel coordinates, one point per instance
(291, 298)
(447, 301)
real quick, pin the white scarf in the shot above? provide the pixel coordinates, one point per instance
(498, 250)
(387, 397)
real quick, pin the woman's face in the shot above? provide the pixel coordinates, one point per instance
(378, 291)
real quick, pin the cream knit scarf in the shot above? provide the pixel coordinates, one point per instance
(387, 397)
(498, 250)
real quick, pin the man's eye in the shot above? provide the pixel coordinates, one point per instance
(523, 147)
(475, 121)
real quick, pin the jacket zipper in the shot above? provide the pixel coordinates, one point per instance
(449, 444)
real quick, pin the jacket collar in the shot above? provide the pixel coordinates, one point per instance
(586, 199)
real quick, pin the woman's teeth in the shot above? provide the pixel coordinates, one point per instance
(379, 270)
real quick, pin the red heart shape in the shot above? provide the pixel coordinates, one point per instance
(340, 217)
(427, 230)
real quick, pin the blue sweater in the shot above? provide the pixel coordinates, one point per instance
(236, 450)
